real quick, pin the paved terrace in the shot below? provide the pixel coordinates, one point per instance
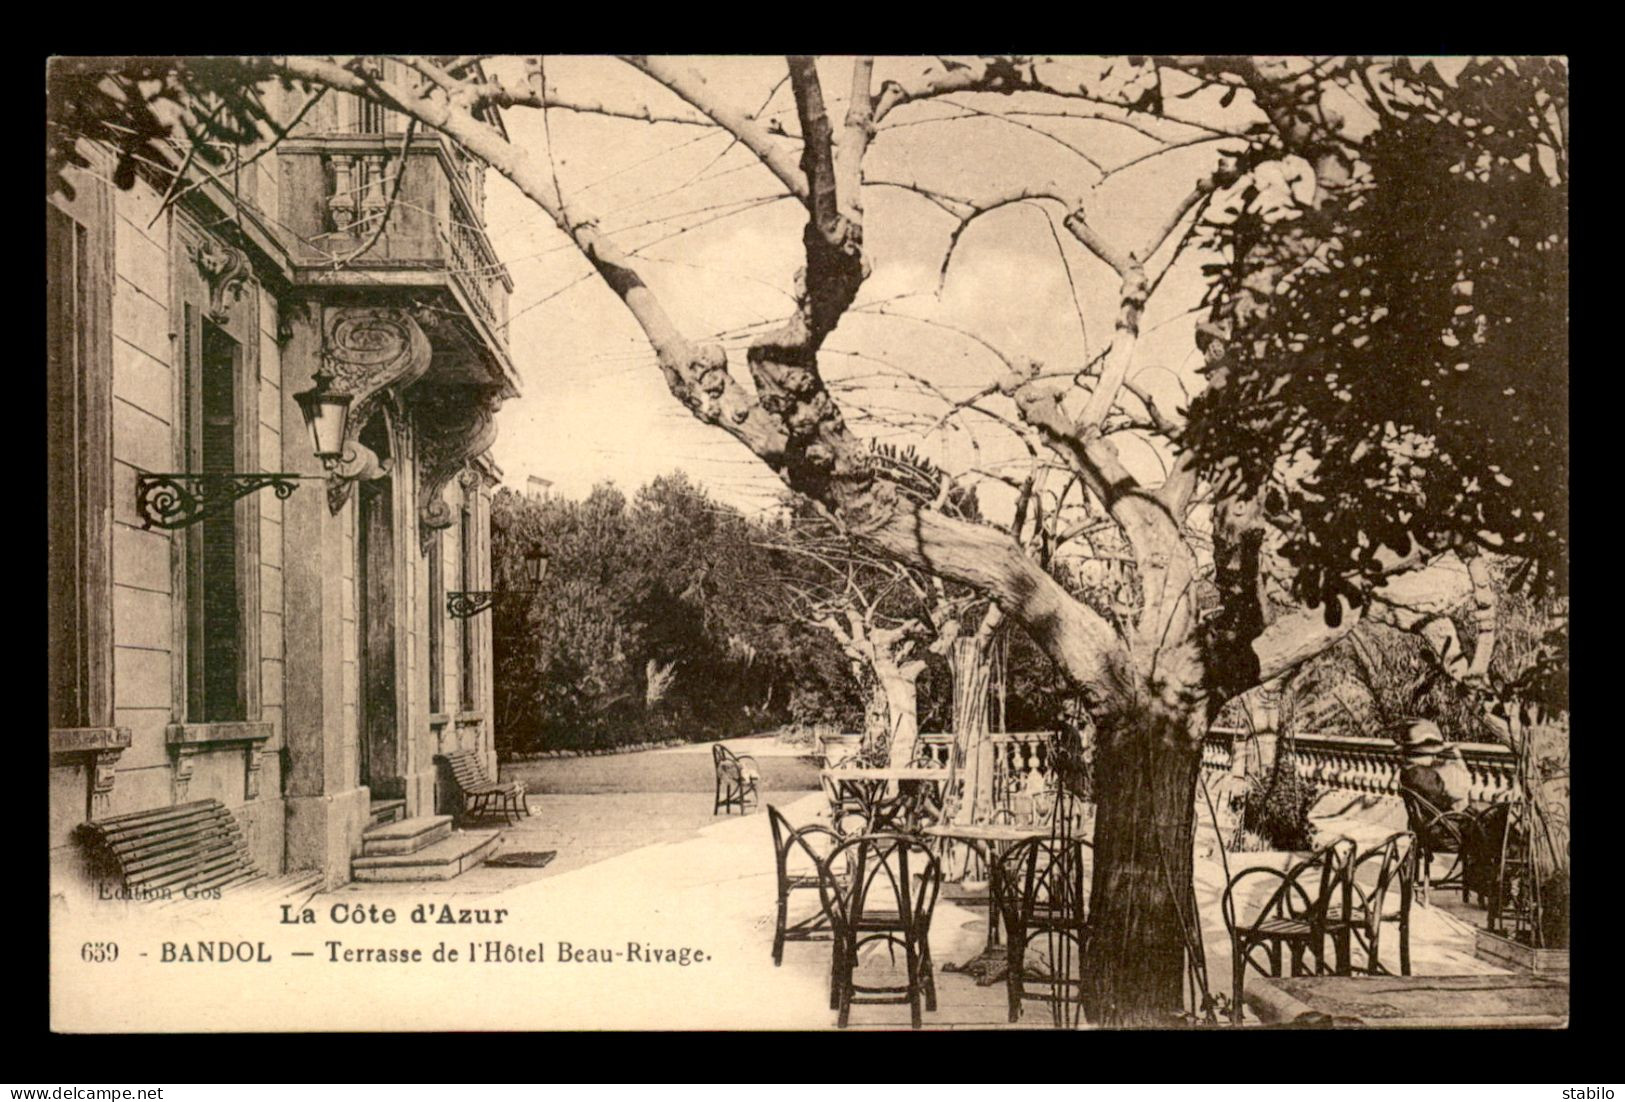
(641, 859)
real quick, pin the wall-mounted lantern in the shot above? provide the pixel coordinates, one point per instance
(464, 603)
(179, 499)
(327, 416)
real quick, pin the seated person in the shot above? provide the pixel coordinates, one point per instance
(1434, 773)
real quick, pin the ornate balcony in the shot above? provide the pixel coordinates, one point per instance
(367, 211)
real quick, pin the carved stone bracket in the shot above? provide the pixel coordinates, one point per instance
(454, 424)
(225, 270)
(105, 771)
(251, 780)
(103, 745)
(182, 775)
(361, 465)
(369, 350)
(188, 740)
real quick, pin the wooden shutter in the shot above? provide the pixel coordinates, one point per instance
(68, 589)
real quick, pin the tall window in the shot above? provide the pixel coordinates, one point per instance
(215, 683)
(437, 620)
(67, 282)
(468, 695)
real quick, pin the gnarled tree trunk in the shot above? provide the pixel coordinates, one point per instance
(899, 693)
(1148, 760)
(968, 659)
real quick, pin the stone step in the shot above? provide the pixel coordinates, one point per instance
(440, 861)
(387, 811)
(405, 835)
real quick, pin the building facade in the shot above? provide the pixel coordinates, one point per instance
(289, 654)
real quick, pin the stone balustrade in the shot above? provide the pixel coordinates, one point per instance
(1216, 751)
(938, 748)
(838, 749)
(1371, 766)
(1021, 764)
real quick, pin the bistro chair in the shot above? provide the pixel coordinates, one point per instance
(881, 809)
(1389, 867)
(1298, 915)
(737, 780)
(1452, 832)
(846, 811)
(1496, 863)
(881, 889)
(1043, 893)
(1026, 809)
(801, 846)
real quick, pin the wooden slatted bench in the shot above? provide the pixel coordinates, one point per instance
(188, 851)
(480, 793)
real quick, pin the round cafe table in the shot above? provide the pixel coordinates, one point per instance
(869, 787)
(989, 966)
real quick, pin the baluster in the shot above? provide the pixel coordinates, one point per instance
(1370, 774)
(342, 203)
(1312, 765)
(374, 197)
(1506, 781)
(1348, 770)
(1476, 788)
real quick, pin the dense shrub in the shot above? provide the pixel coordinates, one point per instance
(1554, 911)
(1277, 804)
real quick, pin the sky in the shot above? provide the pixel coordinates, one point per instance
(719, 244)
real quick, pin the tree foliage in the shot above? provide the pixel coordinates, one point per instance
(1407, 379)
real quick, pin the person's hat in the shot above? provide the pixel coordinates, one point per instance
(1421, 736)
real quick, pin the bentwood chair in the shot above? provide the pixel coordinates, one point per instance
(1450, 832)
(846, 811)
(1496, 862)
(881, 889)
(1298, 915)
(880, 809)
(797, 853)
(737, 780)
(1043, 894)
(1383, 886)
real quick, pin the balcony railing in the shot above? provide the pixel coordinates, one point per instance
(335, 188)
(1371, 766)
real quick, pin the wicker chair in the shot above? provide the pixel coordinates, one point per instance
(846, 814)
(1299, 915)
(871, 803)
(881, 888)
(737, 780)
(1453, 832)
(1387, 867)
(792, 844)
(1043, 893)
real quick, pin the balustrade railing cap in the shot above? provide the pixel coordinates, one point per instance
(1363, 743)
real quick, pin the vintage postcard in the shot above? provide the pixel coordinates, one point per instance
(753, 542)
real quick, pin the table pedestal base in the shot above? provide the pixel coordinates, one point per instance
(987, 969)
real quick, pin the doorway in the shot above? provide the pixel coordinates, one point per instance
(381, 750)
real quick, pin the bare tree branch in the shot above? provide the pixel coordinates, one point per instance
(693, 89)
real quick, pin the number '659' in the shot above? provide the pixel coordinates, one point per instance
(99, 952)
